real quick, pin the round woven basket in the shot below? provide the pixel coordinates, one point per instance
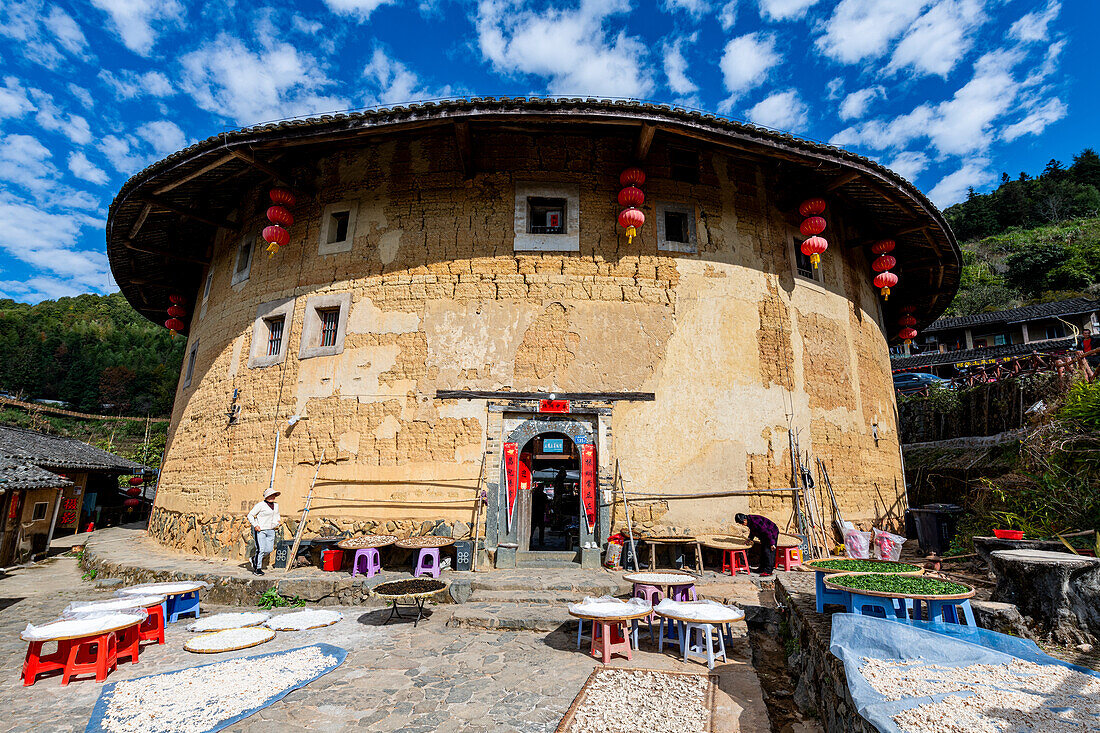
(401, 597)
(420, 543)
(813, 565)
(276, 626)
(190, 646)
(830, 582)
(366, 541)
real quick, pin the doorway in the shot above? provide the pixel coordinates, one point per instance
(554, 463)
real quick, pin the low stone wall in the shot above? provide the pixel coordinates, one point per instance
(229, 536)
(822, 685)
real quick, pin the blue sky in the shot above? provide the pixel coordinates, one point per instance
(947, 92)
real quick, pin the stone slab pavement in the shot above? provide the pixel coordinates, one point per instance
(396, 678)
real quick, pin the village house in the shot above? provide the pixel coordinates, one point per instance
(451, 307)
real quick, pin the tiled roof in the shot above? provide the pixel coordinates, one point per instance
(17, 475)
(1071, 307)
(934, 358)
(56, 453)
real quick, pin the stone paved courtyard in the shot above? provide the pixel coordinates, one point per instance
(396, 678)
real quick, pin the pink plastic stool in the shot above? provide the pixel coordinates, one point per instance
(684, 592)
(789, 557)
(427, 563)
(370, 561)
(610, 637)
(653, 595)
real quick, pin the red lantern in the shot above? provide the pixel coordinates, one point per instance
(883, 246)
(909, 309)
(813, 247)
(276, 237)
(632, 220)
(884, 281)
(280, 215)
(282, 197)
(133, 491)
(632, 177)
(131, 502)
(174, 325)
(137, 480)
(884, 263)
(907, 320)
(177, 311)
(811, 207)
(631, 196)
(813, 225)
(907, 334)
(177, 300)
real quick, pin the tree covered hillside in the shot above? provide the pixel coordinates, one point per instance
(92, 351)
(1032, 239)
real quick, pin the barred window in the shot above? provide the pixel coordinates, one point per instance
(330, 321)
(275, 335)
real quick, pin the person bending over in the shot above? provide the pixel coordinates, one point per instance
(264, 519)
(767, 532)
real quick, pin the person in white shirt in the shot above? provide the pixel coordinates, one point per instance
(264, 519)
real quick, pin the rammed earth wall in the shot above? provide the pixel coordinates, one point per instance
(733, 345)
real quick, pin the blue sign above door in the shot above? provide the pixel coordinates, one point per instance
(553, 445)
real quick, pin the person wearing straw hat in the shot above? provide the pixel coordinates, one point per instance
(264, 519)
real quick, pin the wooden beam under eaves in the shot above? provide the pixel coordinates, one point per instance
(645, 140)
(465, 145)
(164, 253)
(140, 220)
(841, 181)
(190, 213)
(275, 174)
(193, 175)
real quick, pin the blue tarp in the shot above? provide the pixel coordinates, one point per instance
(856, 636)
(95, 725)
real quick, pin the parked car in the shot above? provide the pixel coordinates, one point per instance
(914, 381)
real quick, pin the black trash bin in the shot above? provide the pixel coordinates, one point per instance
(936, 525)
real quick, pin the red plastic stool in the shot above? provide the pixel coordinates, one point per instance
(610, 637)
(735, 561)
(152, 628)
(128, 643)
(38, 663)
(789, 557)
(96, 655)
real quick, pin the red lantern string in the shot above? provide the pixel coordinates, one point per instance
(907, 334)
(174, 326)
(884, 281)
(883, 246)
(279, 216)
(909, 309)
(177, 300)
(907, 320)
(811, 227)
(631, 218)
(883, 263)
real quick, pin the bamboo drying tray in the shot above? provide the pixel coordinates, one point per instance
(420, 543)
(829, 582)
(366, 541)
(187, 646)
(810, 565)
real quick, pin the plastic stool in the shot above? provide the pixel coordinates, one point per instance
(427, 563)
(369, 559)
(669, 631)
(610, 637)
(152, 628)
(735, 561)
(705, 633)
(789, 557)
(182, 604)
(580, 631)
(685, 592)
(96, 655)
(128, 643)
(653, 595)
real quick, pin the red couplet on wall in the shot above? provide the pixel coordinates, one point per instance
(511, 463)
(553, 405)
(588, 483)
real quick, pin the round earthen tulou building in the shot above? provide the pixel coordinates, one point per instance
(458, 311)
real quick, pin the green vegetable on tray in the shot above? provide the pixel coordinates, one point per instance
(902, 585)
(863, 566)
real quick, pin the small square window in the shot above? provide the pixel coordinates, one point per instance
(330, 321)
(192, 355)
(803, 266)
(206, 287)
(545, 215)
(275, 335)
(675, 227)
(338, 227)
(270, 331)
(325, 324)
(243, 263)
(683, 165)
(38, 513)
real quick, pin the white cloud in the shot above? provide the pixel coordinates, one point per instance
(81, 167)
(120, 153)
(864, 29)
(1035, 27)
(230, 79)
(394, 82)
(940, 38)
(694, 7)
(835, 87)
(42, 32)
(82, 94)
(781, 111)
(745, 64)
(1048, 66)
(66, 30)
(855, 104)
(26, 163)
(163, 135)
(675, 66)
(52, 119)
(37, 289)
(138, 22)
(130, 85)
(361, 9)
(973, 172)
(909, 163)
(1036, 120)
(14, 101)
(785, 9)
(727, 15)
(567, 47)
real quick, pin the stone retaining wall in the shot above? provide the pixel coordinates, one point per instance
(822, 685)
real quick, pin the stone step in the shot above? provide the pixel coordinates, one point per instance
(513, 616)
(549, 559)
(535, 597)
(583, 586)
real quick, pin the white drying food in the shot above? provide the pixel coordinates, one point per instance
(82, 626)
(125, 603)
(168, 588)
(999, 698)
(198, 699)
(302, 620)
(704, 611)
(609, 606)
(222, 621)
(229, 640)
(661, 578)
(643, 700)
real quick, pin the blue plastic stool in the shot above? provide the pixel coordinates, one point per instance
(947, 611)
(704, 652)
(670, 631)
(827, 595)
(182, 604)
(876, 606)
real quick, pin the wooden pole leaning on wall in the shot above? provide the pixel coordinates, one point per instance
(626, 509)
(305, 514)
